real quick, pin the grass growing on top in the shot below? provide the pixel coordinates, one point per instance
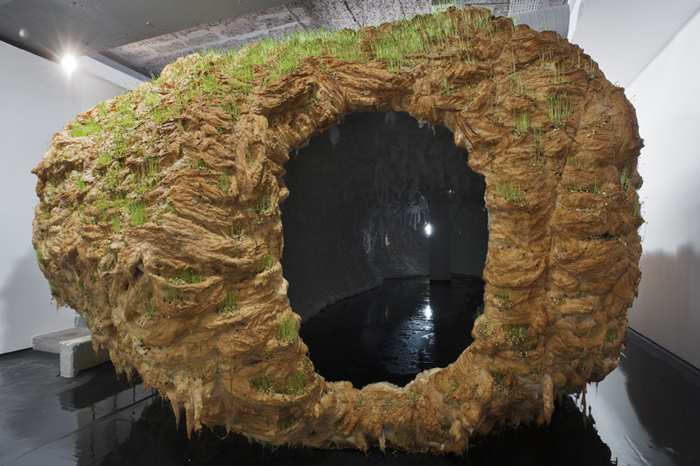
(233, 109)
(234, 230)
(120, 146)
(224, 183)
(186, 276)
(173, 294)
(516, 334)
(152, 167)
(559, 74)
(102, 109)
(159, 115)
(199, 164)
(454, 385)
(515, 85)
(264, 205)
(511, 191)
(625, 178)
(505, 299)
(560, 108)
(482, 326)
(149, 310)
(262, 383)
(499, 382)
(296, 384)
(481, 20)
(210, 84)
(232, 74)
(149, 179)
(227, 78)
(388, 403)
(393, 47)
(637, 209)
(152, 99)
(138, 213)
(116, 226)
(346, 45)
(447, 87)
(286, 423)
(287, 330)
(611, 334)
(538, 148)
(267, 262)
(104, 157)
(522, 122)
(190, 277)
(229, 304)
(413, 399)
(85, 129)
(515, 82)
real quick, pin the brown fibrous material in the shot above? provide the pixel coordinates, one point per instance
(164, 232)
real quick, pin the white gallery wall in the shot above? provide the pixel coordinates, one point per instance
(667, 98)
(37, 98)
(653, 50)
(623, 36)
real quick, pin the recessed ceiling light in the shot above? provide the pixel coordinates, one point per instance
(69, 63)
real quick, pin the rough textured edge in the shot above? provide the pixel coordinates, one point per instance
(560, 274)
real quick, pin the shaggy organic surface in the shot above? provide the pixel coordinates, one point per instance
(159, 222)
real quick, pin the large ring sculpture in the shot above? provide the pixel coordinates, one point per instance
(159, 223)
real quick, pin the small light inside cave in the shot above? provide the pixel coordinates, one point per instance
(69, 63)
(428, 312)
(428, 229)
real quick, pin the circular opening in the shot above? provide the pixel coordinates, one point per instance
(559, 156)
(362, 197)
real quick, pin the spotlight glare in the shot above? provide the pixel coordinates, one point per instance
(69, 63)
(428, 229)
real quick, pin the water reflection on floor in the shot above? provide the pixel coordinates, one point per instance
(644, 413)
(395, 331)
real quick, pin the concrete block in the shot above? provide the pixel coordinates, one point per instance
(49, 342)
(78, 321)
(77, 354)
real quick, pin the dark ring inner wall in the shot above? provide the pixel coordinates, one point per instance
(360, 196)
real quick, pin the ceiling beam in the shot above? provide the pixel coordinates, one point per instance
(82, 27)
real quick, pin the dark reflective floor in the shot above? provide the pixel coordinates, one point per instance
(647, 412)
(393, 332)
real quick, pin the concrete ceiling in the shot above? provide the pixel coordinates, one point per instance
(141, 37)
